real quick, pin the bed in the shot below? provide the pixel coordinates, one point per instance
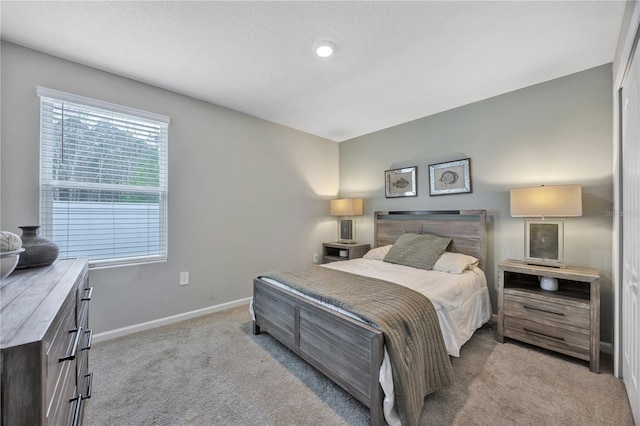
(352, 352)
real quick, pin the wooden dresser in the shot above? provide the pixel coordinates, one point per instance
(45, 342)
(566, 320)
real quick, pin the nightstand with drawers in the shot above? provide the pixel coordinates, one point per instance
(332, 252)
(565, 321)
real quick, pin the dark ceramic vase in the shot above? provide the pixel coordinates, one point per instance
(38, 251)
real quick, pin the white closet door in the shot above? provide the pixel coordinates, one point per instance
(630, 234)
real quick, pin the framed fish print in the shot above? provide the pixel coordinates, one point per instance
(401, 182)
(453, 177)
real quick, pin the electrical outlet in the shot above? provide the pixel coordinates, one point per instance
(184, 278)
(316, 259)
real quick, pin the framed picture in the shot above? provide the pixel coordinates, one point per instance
(401, 182)
(543, 242)
(453, 177)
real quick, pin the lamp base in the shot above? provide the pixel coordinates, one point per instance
(545, 262)
(345, 229)
(344, 241)
(549, 284)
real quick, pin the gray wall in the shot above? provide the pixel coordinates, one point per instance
(245, 195)
(552, 133)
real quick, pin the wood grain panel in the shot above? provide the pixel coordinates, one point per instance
(59, 410)
(594, 347)
(545, 312)
(275, 313)
(388, 231)
(12, 289)
(553, 338)
(33, 311)
(466, 228)
(347, 351)
(341, 350)
(22, 402)
(58, 344)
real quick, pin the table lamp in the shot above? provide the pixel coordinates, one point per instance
(346, 209)
(544, 239)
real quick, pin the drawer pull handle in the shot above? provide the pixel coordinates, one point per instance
(88, 296)
(89, 378)
(533, 308)
(89, 339)
(561, 339)
(76, 412)
(74, 348)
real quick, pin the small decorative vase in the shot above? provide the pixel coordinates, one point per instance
(39, 251)
(549, 284)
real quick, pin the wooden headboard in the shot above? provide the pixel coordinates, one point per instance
(466, 228)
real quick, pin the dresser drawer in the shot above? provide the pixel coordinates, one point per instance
(558, 339)
(84, 297)
(83, 377)
(545, 312)
(60, 375)
(60, 410)
(83, 309)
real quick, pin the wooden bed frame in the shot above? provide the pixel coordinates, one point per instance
(345, 350)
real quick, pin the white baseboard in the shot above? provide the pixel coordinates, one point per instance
(124, 331)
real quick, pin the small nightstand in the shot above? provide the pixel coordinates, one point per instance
(331, 251)
(565, 321)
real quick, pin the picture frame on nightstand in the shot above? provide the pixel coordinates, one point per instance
(543, 242)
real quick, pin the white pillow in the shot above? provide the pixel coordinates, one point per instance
(454, 263)
(377, 253)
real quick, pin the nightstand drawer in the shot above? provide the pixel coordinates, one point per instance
(554, 338)
(543, 311)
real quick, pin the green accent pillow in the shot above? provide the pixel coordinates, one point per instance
(417, 250)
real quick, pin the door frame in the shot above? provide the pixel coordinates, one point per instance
(629, 35)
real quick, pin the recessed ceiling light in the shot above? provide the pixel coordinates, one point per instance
(324, 49)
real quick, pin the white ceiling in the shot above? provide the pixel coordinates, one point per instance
(394, 61)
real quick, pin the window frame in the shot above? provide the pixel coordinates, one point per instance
(163, 187)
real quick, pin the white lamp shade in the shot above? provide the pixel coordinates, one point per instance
(346, 207)
(547, 201)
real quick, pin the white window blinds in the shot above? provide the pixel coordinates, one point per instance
(103, 179)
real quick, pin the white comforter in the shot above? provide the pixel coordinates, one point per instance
(461, 300)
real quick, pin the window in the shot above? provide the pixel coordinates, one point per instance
(103, 179)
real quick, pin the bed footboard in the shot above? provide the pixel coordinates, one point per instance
(345, 350)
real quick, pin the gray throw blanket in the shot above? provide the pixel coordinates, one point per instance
(408, 320)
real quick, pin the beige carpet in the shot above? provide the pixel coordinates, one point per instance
(213, 371)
